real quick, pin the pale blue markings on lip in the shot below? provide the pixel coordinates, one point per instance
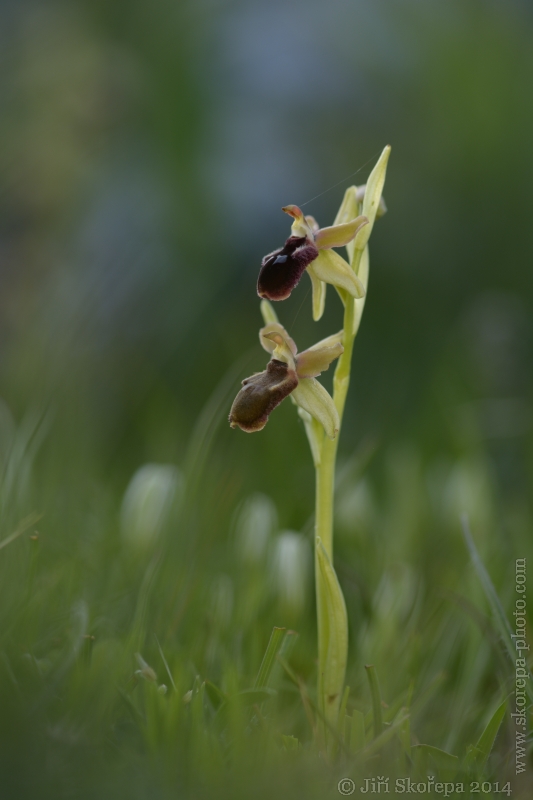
(280, 259)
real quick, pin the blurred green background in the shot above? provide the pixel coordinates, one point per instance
(146, 149)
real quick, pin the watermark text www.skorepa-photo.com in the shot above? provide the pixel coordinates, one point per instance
(519, 714)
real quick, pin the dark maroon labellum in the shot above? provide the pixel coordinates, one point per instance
(260, 394)
(281, 270)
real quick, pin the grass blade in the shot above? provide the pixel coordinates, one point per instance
(500, 620)
(479, 753)
(166, 664)
(357, 734)
(287, 645)
(215, 695)
(269, 659)
(377, 743)
(487, 738)
(376, 699)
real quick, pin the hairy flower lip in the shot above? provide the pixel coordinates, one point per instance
(260, 394)
(282, 269)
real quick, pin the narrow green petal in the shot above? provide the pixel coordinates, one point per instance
(311, 363)
(349, 208)
(319, 296)
(331, 268)
(267, 312)
(339, 235)
(363, 277)
(374, 188)
(333, 647)
(313, 398)
(329, 341)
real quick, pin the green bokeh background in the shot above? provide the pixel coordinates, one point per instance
(146, 149)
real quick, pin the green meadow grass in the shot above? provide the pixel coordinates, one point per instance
(136, 663)
(144, 643)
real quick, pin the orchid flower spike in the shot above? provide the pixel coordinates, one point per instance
(288, 373)
(309, 248)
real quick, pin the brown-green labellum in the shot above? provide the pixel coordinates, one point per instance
(260, 394)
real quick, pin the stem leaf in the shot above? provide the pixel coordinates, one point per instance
(333, 642)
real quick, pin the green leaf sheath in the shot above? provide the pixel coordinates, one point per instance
(333, 637)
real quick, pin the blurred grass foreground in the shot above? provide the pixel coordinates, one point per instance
(147, 551)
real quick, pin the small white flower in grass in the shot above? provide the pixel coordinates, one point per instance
(256, 521)
(147, 503)
(291, 570)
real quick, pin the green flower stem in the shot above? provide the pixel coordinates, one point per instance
(325, 471)
(332, 627)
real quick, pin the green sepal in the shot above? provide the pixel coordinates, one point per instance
(313, 398)
(372, 198)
